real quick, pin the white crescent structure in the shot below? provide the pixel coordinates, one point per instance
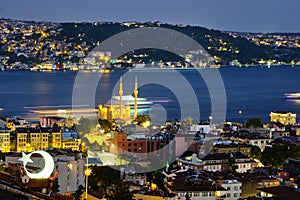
(48, 167)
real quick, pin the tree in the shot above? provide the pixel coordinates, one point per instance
(55, 187)
(255, 152)
(78, 193)
(276, 155)
(119, 192)
(105, 124)
(187, 196)
(232, 165)
(103, 177)
(55, 126)
(158, 179)
(141, 119)
(85, 125)
(253, 122)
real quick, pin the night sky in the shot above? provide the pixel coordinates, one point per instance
(237, 15)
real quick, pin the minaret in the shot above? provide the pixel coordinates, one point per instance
(121, 97)
(135, 98)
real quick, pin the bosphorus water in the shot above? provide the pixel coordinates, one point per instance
(256, 91)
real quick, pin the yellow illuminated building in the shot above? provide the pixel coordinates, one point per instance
(28, 140)
(4, 140)
(56, 140)
(73, 144)
(283, 117)
(116, 109)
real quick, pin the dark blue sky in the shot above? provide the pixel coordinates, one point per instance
(238, 15)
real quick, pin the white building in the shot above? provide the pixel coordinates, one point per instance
(202, 128)
(233, 189)
(71, 172)
(260, 142)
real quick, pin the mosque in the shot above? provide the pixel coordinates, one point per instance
(120, 107)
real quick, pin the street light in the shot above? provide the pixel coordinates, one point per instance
(87, 172)
(210, 121)
(240, 115)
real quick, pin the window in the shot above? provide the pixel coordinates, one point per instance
(228, 195)
(235, 195)
(205, 194)
(196, 194)
(135, 144)
(129, 150)
(228, 188)
(236, 188)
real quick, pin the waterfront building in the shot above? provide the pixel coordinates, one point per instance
(124, 107)
(50, 121)
(115, 109)
(285, 118)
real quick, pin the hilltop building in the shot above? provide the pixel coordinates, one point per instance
(285, 118)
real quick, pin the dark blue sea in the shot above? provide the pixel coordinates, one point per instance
(256, 91)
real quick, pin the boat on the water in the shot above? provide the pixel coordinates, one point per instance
(292, 95)
(128, 100)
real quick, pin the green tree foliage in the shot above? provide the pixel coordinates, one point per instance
(119, 192)
(78, 193)
(158, 179)
(105, 124)
(253, 122)
(86, 125)
(232, 164)
(255, 152)
(142, 119)
(103, 177)
(187, 196)
(55, 187)
(276, 155)
(107, 181)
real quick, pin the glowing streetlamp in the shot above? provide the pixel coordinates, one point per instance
(240, 115)
(87, 173)
(210, 121)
